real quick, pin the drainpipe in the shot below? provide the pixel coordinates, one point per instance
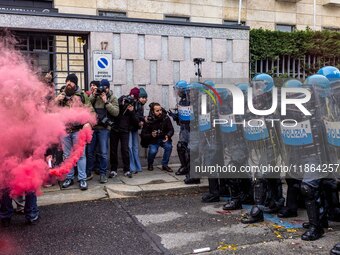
(314, 15)
(239, 11)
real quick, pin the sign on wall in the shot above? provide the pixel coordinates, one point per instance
(102, 65)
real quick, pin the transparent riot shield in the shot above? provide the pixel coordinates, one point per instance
(232, 142)
(260, 134)
(307, 138)
(203, 134)
(331, 121)
(299, 137)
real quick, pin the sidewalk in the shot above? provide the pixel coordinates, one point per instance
(146, 183)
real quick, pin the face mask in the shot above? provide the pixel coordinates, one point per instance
(69, 91)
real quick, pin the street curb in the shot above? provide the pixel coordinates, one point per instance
(147, 190)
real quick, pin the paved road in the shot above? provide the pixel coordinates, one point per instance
(155, 225)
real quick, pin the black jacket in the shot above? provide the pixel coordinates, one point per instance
(126, 120)
(163, 125)
(139, 109)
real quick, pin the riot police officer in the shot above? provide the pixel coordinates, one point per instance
(315, 154)
(263, 145)
(293, 152)
(183, 115)
(235, 151)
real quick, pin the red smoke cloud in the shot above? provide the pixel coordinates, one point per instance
(29, 126)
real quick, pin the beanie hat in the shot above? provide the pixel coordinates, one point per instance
(134, 92)
(105, 83)
(142, 93)
(73, 78)
(95, 83)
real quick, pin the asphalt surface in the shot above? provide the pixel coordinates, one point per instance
(96, 227)
(156, 225)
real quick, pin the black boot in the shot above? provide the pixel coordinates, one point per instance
(323, 223)
(210, 198)
(331, 196)
(293, 196)
(247, 193)
(192, 181)
(315, 230)
(235, 191)
(183, 155)
(233, 204)
(335, 250)
(255, 215)
(286, 212)
(182, 171)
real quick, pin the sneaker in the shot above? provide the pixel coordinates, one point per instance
(128, 174)
(83, 185)
(103, 178)
(166, 168)
(6, 222)
(113, 174)
(67, 183)
(33, 221)
(150, 167)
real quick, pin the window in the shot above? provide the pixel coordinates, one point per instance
(233, 22)
(111, 14)
(284, 28)
(176, 18)
(336, 29)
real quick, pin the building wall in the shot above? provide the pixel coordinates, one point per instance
(256, 13)
(157, 61)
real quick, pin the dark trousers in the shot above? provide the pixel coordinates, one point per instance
(217, 186)
(123, 137)
(293, 194)
(30, 209)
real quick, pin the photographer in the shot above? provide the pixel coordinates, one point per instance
(123, 124)
(73, 96)
(106, 107)
(158, 131)
(135, 165)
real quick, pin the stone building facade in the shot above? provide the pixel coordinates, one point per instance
(255, 13)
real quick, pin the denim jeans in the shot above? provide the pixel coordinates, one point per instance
(6, 207)
(135, 165)
(153, 149)
(101, 138)
(68, 142)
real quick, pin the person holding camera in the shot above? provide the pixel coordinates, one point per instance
(135, 165)
(93, 85)
(73, 96)
(123, 124)
(106, 107)
(158, 131)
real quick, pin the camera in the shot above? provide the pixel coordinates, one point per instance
(158, 132)
(106, 122)
(128, 100)
(100, 90)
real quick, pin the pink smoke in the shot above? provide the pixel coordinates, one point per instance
(30, 125)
